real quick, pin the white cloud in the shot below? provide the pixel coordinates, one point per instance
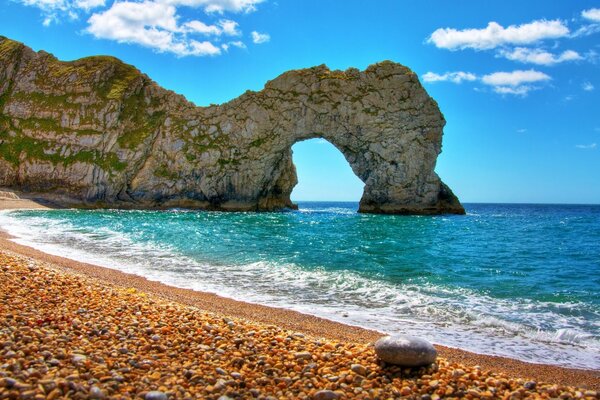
(89, 4)
(517, 82)
(455, 77)
(259, 38)
(593, 14)
(219, 6)
(53, 9)
(590, 146)
(514, 78)
(586, 30)
(63, 5)
(539, 56)
(229, 28)
(150, 24)
(495, 35)
(155, 24)
(587, 86)
(521, 90)
(223, 27)
(201, 27)
(522, 130)
(238, 43)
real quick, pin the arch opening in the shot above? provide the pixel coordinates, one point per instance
(323, 173)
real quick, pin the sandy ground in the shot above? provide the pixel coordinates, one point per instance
(20, 204)
(295, 321)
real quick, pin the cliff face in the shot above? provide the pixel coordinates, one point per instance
(97, 132)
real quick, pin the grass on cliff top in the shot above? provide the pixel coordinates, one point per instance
(9, 47)
(112, 76)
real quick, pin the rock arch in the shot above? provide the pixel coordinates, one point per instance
(97, 132)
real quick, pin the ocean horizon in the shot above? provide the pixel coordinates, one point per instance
(505, 279)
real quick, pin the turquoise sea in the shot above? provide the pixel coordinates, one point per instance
(515, 280)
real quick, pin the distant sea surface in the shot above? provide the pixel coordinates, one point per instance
(521, 281)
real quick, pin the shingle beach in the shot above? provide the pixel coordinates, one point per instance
(67, 335)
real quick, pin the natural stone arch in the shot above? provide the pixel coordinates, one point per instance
(97, 132)
(381, 119)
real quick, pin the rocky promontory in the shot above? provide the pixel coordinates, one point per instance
(96, 132)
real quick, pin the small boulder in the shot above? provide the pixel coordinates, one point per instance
(96, 393)
(155, 395)
(326, 395)
(406, 351)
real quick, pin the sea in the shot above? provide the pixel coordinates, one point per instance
(514, 280)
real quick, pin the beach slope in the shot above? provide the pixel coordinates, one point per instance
(63, 332)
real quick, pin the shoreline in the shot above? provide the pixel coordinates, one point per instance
(299, 322)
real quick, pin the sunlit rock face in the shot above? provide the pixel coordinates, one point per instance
(97, 132)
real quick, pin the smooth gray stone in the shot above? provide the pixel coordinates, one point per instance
(155, 395)
(326, 395)
(96, 393)
(406, 351)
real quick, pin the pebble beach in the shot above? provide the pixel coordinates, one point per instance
(67, 335)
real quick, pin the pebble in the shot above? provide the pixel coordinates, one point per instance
(7, 382)
(176, 352)
(405, 351)
(96, 393)
(358, 369)
(155, 395)
(530, 385)
(78, 359)
(303, 356)
(326, 395)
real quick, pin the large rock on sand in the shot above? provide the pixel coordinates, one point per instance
(406, 351)
(96, 132)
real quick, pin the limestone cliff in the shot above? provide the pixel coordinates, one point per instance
(97, 132)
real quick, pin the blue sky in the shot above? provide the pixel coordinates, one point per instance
(518, 82)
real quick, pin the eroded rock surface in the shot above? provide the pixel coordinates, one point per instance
(97, 132)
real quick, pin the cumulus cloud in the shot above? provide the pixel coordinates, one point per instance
(495, 35)
(156, 24)
(223, 27)
(518, 82)
(587, 86)
(455, 77)
(238, 43)
(259, 38)
(220, 6)
(63, 5)
(539, 56)
(514, 78)
(590, 146)
(522, 90)
(593, 14)
(52, 10)
(151, 24)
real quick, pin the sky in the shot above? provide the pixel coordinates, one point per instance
(517, 81)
